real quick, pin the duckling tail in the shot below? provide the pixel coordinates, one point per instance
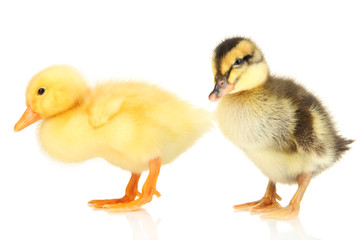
(342, 145)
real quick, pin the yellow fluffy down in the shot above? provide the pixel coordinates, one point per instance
(126, 123)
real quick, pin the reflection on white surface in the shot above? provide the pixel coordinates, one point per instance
(142, 225)
(297, 231)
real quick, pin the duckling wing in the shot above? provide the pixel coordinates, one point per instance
(312, 129)
(303, 120)
(103, 106)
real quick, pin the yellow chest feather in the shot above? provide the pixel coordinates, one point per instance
(68, 138)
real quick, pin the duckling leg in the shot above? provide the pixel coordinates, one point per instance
(130, 193)
(148, 190)
(292, 210)
(267, 202)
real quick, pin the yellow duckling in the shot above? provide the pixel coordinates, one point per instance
(280, 126)
(133, 125)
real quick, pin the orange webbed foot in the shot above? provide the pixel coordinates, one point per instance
(123, 204)
(103, 202)
(131, 206)
(263, 204)
(283, 214)
(292, 210)
(246, 206)
(129, 201)
(266, 203)
(131, 193)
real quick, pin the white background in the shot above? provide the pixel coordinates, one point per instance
(171, 44)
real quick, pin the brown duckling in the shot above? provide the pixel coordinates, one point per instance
(284, 129)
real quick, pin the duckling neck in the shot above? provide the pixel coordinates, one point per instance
(67, 136)
(244, 96)
(77, 105)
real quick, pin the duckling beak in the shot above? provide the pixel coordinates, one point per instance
(222, 87)
(28, 118)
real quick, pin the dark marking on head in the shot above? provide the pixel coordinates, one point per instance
(247, 58)
(223, 48)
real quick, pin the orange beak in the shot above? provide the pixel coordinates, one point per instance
(28, 118)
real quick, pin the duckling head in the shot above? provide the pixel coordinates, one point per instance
(50, 92)
(238, 65)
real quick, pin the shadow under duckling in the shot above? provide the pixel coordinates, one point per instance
(133, 125)
(280, 126)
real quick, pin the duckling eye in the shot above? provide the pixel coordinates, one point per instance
(238, 62)
(41, 91)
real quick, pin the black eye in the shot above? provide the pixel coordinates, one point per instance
(41, 91)
(238, 62)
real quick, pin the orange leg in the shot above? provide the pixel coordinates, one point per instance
(265, 203)
(148, 190)
(130, 193)
(292, 210)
